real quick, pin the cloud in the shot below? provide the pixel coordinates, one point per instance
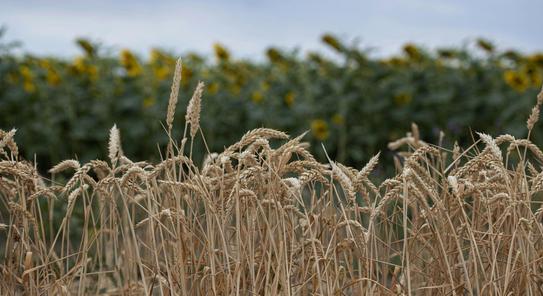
(248, 27)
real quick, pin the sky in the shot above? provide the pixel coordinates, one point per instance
(247, 27)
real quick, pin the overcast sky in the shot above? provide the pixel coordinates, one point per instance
(248, 27)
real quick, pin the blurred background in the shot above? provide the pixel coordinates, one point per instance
(355, 74)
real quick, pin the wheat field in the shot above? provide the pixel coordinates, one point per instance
(264, 217)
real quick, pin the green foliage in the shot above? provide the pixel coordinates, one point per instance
(351, 101)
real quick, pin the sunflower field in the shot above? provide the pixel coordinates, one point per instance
(347, 99)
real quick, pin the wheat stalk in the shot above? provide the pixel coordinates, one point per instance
(174, 94)
(114, 146)
(193, 109)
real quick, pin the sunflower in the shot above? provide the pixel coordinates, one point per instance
(533, 74)
(395, 62)
(52, 77)
(516, 80)
(213, 88)
(155, 56)
(130, 63)
(537, 59)
(315, 58)
(319, 128)
(158, 57)
(338, 119)
(29, 87)
(79, 66)
(332, 41)
(221, 53)
(92, 70)
(257, 97)
(485, 45)
(162, 65)
(26, 73)
(412, 51)
(265, 86)
(512, 55)
(28, 79)
(149, 102)
(87, 47)
(274, 55)
(289, 98)
(447, 53)
(403, 98)
(161, 72)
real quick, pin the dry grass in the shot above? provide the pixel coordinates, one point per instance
(268, 219)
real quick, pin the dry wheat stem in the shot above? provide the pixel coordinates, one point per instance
(174, 94)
